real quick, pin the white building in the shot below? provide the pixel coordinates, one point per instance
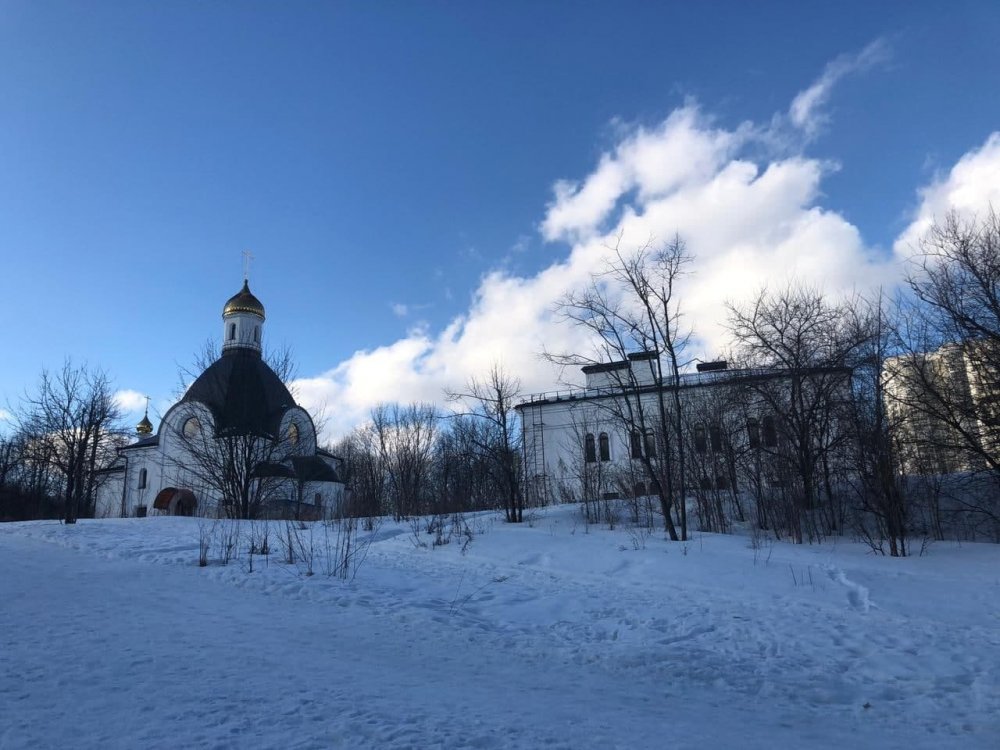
(235, 443)
(607, 439)
(946, 407)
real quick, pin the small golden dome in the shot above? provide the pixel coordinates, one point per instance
(145, 427)
(244, 302)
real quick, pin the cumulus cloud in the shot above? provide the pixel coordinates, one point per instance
(685, 149)
(806, 111)
(748, 221)
(970, 188)
(129, 400)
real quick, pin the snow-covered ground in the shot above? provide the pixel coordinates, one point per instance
(544, 636)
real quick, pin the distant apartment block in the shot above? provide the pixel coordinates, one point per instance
(946, 406)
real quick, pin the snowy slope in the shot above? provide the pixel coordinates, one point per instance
(553, 635)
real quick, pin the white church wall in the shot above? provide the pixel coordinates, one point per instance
(305, 445)
(109, 496)
(243, 331)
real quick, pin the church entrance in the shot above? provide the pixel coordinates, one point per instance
(176, 502)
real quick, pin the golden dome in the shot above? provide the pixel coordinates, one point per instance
(145, 427)
(244, 302)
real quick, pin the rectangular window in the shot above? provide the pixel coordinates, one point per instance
(753, 433)
(700, 443)
(650, 444)
(770, 433)
(715, 435)
(636, 445)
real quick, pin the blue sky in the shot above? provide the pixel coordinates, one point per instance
(382, 160)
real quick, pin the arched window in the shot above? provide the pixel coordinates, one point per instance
(293, 434)
(605, 446)
(636, 444)
(589, 451)
(639, 490)
(232, 331)
(192, 428)
(753, 433)
(142, 479)
(256, 334)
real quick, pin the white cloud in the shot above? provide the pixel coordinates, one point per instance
(6, 416)
(129, 400)
(970, 188)
(747, 222)
(400, 310)
(806, 111)
(521, 245)
(684, 149)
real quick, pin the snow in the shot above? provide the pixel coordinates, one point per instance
(551, 635)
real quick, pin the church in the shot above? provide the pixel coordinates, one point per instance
(235, 445)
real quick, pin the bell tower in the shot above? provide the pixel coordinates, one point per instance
(242, 322)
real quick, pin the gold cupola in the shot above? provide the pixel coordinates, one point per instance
(244, 302)
(145, 427)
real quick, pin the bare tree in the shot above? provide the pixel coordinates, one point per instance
(26, 488)
(364, 472)
(802, 350)
(950, 338)
(464, 477)
(405, 438)
(491, 401)
(229, 466)
(883, 504)
(943, 384)
(241, 467)
(11, 458)
(30, 486)
(70, 425)
(716, 452)
(632, 310)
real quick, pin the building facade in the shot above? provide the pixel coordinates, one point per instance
(619, 435)
(945, 405)
(236, 443)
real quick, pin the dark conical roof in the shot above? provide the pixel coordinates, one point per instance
(245, 396)
(244, 302)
